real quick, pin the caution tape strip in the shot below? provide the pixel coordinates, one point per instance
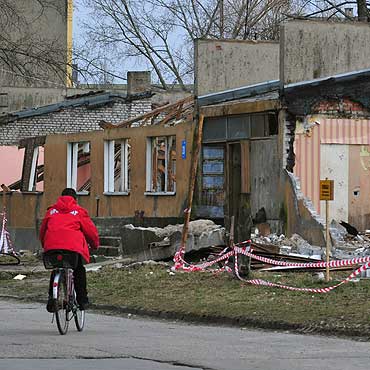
(180, 263)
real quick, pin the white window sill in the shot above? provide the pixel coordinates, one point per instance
(160, 193)
(108, 193)
(83, 193)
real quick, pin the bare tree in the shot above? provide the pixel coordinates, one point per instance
(160, 33)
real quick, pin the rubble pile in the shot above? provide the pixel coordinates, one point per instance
(154, 243)
(346, 243)
(294, 246)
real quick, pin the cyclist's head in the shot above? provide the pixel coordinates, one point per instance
(71, 192)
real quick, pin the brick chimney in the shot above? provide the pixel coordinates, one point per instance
(138, 82)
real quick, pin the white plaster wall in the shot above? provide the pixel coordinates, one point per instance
(335, 166)
(228, 64)
(313, 49)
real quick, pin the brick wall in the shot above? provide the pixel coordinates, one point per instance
(71, 120)
(341, 107)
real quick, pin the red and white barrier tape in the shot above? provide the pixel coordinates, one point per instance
(180, 263)
(5, 242)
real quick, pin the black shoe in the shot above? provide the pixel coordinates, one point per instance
(84, 305)
(50, 306)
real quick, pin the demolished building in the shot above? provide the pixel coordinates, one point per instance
(277, 117)
(289, 123)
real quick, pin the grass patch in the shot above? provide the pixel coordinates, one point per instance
(153, 288)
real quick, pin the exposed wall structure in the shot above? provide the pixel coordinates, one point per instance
(136, 200)
(315, 49)
(299, 214)
(85, 117)
(228, 64)
(137, 204)
(339, 150)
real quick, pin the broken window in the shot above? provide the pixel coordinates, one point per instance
(79, 167)
(117, 155)
(161, 164)
(33, 165)
(240, 126)
(213, 181)
(36, 179)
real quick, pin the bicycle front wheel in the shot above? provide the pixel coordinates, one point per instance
(79, 316)
(61, 303)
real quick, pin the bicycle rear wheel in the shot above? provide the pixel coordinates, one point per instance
(61, 303)
(79, 316)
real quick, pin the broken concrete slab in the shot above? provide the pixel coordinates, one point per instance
(337, 233)
(154, 243)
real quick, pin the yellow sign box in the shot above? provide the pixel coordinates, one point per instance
(326, 189)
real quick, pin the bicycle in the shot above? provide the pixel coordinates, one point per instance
(66, 308)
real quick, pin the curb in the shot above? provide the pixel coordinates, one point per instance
(360, 333)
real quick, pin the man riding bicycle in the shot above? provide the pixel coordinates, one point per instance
(68, 226)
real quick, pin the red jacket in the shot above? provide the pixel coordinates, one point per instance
(68, 226)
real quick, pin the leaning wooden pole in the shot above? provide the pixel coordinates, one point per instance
(193, 175)
(5, 190)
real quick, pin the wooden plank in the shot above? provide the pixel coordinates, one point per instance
(154, 165)
(169, 165)
(127, 123)
(245, 167)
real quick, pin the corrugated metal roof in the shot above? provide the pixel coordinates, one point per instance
(260, 89)
(87, 100)
(342, 77)
(239, 93)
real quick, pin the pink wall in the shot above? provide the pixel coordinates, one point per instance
(11, 163)
(354, 133)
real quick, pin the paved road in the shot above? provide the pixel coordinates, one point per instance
(28, 341)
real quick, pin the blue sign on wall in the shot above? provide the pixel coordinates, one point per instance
(183, 149)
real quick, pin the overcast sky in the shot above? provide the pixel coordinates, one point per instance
(80, 15)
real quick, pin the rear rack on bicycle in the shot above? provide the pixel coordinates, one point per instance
(60, 259)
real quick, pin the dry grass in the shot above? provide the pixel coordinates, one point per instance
(153, 288)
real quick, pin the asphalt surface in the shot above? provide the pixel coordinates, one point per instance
(28, 340)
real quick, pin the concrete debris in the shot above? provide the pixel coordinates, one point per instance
(93, 268)
(337, 233)
(19, 277)
(154, 243)
(344, 244)
(294, 246)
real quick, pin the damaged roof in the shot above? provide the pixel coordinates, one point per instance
(90, 100)
(342, 77)
(271, 90)
(240, 93)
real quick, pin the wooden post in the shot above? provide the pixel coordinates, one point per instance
(231, 239)
(193, 175)
(327, 194)
(5, 190)
(327, 240)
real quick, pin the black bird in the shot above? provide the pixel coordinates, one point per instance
(350, 229)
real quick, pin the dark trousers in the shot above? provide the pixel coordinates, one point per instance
(79, 278)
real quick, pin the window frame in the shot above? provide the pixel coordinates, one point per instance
(109, 165)
(149, 166)
(72, 165)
